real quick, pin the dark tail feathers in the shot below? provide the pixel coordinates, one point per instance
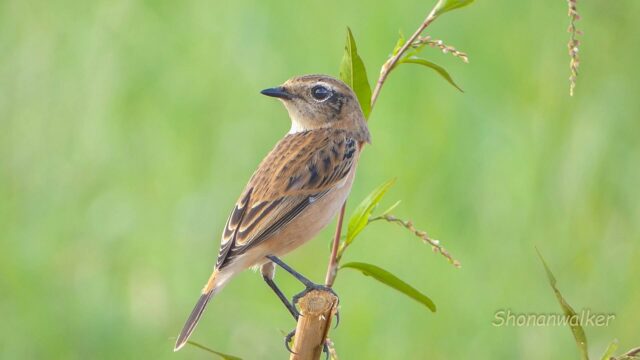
(193, 319)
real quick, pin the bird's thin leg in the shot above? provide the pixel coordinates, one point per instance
(309, 285)
(272, 284)
(306, 282)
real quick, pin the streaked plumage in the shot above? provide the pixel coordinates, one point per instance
(298, 187)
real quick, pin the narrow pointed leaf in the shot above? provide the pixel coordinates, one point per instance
(219, 354)
(610, 351)
(439, 69)
(354, 74)
(578, 332)
(362, 213)
(393, 281)
(444, 6)
(399, 44)
(391, 208)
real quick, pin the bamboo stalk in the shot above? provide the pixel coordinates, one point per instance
(316, 310)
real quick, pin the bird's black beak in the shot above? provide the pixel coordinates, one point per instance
(278, 92)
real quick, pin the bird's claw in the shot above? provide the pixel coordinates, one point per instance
(325, 349)
(289, 337)
(287, 340)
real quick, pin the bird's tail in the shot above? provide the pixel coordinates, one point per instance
(213, 285)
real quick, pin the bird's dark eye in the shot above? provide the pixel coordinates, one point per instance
(320, 92)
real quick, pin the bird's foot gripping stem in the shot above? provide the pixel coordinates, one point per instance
(309, 287)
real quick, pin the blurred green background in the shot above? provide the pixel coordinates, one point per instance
(128, 128)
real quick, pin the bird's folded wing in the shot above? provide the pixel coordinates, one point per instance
(301, 169)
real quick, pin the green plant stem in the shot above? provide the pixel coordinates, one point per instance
(393, 60)
(408, 224)
(387, 67)
(334, 259)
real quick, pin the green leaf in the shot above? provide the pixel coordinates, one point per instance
(399, 44)
(391, 280)
(354, 74)
(361, 214)
(578, 332)
(444, 6)
(390, 209)
(221, 355)
(439, 69)
(611, 350)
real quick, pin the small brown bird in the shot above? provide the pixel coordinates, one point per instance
(296, 190)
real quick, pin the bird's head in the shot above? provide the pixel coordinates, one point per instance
(320, 101)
